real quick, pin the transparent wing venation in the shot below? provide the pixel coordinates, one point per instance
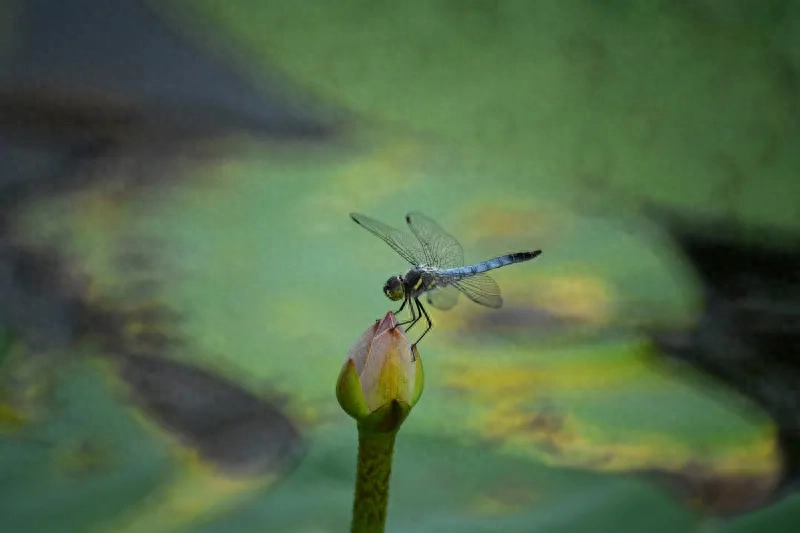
(481, 289)
(443, 298)
(440, 248)
(402, 243)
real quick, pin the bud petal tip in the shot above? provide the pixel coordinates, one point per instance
(388, 322)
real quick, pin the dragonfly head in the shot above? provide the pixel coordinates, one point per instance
(393, 288)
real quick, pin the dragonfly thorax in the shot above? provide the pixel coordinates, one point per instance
(414, 283)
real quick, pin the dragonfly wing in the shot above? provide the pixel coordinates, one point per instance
(443, 298)
(441, 249)
(481, 289)
(402, 243)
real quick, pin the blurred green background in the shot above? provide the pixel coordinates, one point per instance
(516, 125)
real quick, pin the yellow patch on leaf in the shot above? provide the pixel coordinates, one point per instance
(504, 500)
(509, 217)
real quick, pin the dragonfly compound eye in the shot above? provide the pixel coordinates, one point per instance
(393, 289)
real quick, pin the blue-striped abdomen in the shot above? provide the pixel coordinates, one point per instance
(491, 264)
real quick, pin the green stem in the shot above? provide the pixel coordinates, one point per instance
(372, 481)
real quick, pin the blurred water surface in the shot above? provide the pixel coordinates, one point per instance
(515, 125)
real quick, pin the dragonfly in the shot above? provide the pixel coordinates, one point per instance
(438, 270)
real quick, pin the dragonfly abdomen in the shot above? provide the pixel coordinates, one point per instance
(497, 262)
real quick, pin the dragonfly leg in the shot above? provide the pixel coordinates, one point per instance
(416, 317)
(413, 323)
(405, 301)
(413, 319)
(422, 312)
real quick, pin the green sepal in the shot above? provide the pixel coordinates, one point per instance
(419, 378)
(387, 419)
(349, 393)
